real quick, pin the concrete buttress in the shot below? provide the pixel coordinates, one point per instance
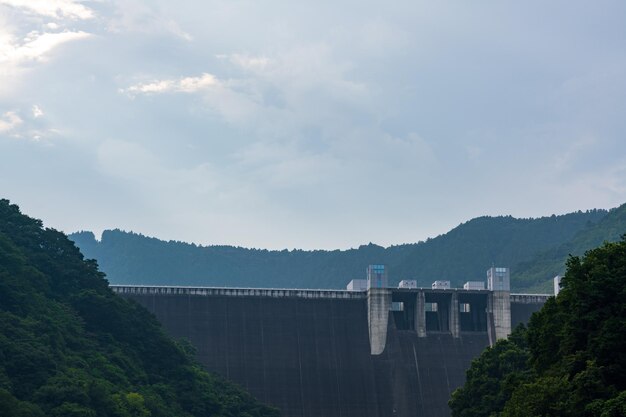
(378, 306)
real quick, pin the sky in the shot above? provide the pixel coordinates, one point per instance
(317, 124)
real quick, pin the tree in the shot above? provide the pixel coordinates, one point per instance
(492, 377)
(70, 347)
(574, 346)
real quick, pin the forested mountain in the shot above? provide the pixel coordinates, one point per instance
(70, 347)
(570, 361)
(529, 274)
(460, 255)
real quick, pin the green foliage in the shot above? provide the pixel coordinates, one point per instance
(615, 407)
(545, 396)
(130, 258)
(575, 350)
(531, 274)
(12, 407)
(131, 405)
(70, 347)
(492, 377)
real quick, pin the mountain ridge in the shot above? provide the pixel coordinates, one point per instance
(462, 254)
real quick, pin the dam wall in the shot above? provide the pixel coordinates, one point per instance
(315, 353)
(524, 305)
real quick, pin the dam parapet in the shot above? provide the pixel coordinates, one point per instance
(236, 292)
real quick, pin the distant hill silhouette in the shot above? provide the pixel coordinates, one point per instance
(460, 255)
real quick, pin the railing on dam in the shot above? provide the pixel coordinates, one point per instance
(530, 298)
(237, 292)
(288, 292)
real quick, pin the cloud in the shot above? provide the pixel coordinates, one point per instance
(232, 99)
(605, 186)
(138, 165)
(474, 152)
(35, 47)
(279, 95)
(312, 124)
(292, 114)
(285, 165)
(566, 159)
(148, 174)
(31, 128)
(256, 63)
(28, 38)
(218, 203)
(57, 9)
(180, 85)
(144, 17)
(9, 121)
(37, 112)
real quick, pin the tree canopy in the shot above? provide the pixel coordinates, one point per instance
(570, 361)
(70, 347)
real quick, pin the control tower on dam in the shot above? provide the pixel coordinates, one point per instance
(371, 352)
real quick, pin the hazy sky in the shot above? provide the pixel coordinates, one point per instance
(320, 124)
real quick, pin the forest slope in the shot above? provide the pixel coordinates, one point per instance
(70, 347)
(529, 274)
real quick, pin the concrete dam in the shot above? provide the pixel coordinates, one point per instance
(378, 352)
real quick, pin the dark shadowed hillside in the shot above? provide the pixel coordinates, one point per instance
(70, 347)
(462, 254)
